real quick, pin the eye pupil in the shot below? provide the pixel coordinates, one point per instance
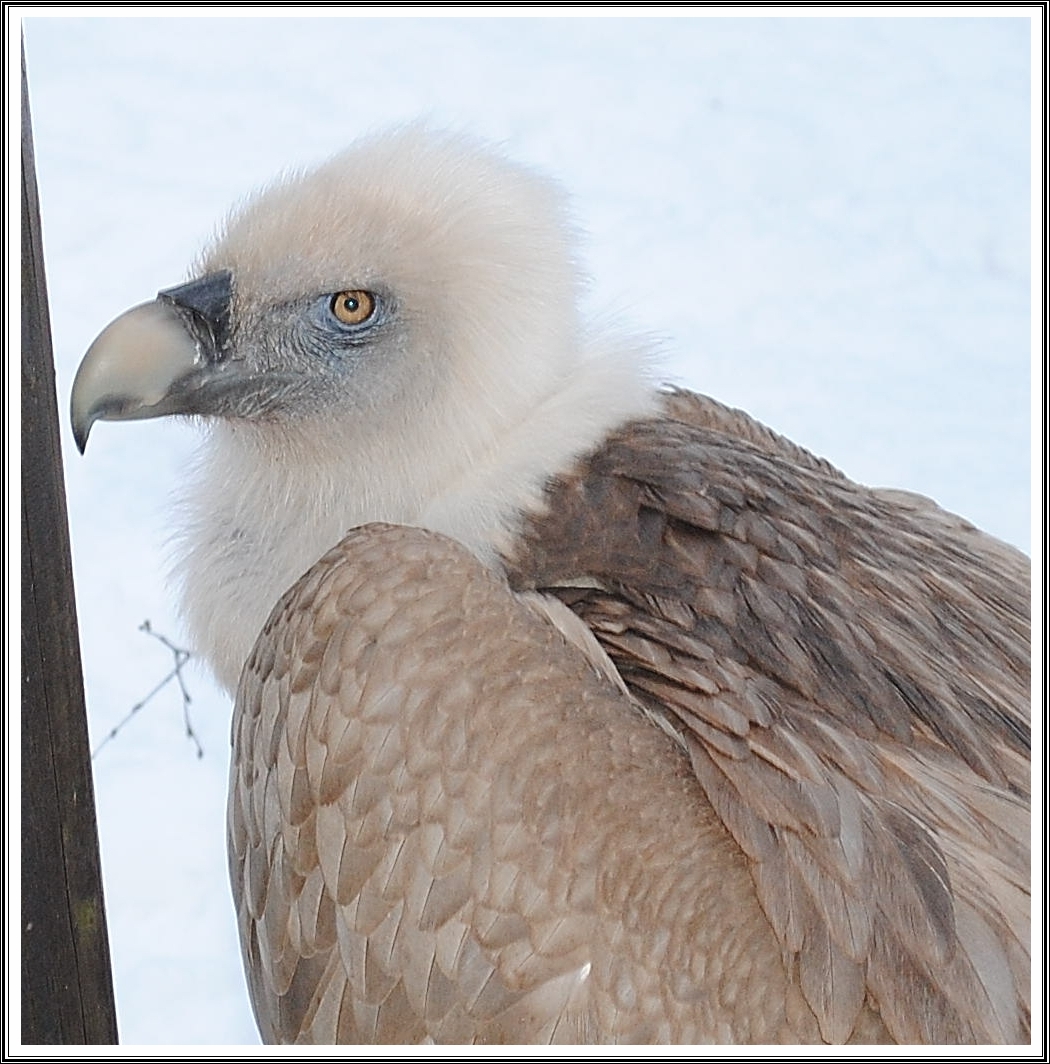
(354, 307)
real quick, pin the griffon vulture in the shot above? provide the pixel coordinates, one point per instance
(567, 709)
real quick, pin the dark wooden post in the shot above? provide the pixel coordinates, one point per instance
(67, 990)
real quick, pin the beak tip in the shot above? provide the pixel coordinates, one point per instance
(80, 420)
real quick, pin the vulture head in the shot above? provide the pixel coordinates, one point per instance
(394, 336)
(566, 710)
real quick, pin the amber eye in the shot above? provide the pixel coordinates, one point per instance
(354, 307)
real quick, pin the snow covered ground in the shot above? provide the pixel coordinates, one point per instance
(825, 220)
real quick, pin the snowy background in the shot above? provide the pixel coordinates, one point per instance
(827, 222)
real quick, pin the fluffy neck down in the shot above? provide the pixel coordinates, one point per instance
(267, 501)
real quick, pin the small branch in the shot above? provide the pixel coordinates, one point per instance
(181, 656)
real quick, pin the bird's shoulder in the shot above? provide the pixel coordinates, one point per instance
(446, 823)
(848, 671)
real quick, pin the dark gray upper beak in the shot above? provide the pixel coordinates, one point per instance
(158, 358)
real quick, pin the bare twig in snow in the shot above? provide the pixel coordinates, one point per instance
(181, 656)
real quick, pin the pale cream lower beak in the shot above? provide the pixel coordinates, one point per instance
(133, 368)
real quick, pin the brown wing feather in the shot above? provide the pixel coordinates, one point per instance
(848, 672)
(447, 824)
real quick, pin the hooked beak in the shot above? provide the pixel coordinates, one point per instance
(164, 357)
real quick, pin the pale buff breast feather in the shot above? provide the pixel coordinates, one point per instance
(568, 710)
